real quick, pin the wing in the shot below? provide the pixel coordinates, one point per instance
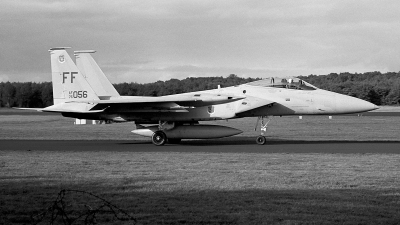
(170, 103)
(186, 100)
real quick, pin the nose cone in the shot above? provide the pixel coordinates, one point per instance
(347, 104)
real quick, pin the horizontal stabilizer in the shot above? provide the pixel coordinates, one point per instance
(73, 107)
(32, 109)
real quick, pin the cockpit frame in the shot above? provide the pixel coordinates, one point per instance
(288, 83)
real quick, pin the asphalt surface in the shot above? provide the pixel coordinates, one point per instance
(228, 145)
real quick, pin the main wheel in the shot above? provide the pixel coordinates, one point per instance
(174, 140)
(159, 138)
(261, 140)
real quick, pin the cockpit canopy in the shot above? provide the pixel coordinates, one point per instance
(290, 83)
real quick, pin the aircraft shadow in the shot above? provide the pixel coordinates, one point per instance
(274, 141)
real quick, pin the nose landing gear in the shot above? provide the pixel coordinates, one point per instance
(261, 140)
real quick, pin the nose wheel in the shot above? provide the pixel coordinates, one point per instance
(261, 140)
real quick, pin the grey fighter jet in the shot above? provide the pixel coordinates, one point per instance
(82, 91)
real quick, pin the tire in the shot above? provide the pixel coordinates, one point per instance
(174, 140)
(159, 138)
(261, 140)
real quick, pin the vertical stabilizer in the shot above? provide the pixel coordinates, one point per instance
(94, 75)
(68, 82)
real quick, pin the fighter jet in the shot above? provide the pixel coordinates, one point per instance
(83, 91)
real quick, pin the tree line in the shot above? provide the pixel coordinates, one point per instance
(378, 88)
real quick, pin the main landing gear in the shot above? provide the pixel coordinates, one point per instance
(160, 138)
(261, 140)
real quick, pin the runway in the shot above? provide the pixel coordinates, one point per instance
(241, 145)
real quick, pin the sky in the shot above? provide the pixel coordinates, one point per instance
(146, 41)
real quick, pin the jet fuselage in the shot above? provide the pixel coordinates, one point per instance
(282, 101)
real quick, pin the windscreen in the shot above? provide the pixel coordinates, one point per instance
(289, 83)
